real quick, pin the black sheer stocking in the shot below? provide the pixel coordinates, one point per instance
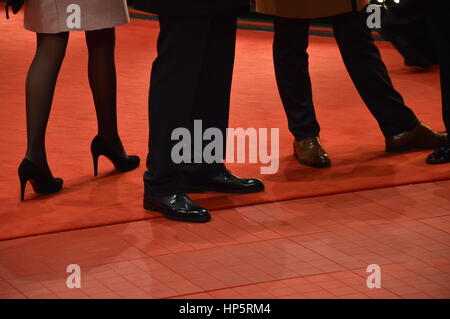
(41, 82)
(40, 87)
(103, 82)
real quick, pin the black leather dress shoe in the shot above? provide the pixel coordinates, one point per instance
(177, 207)
(225, 182)
(440, 156)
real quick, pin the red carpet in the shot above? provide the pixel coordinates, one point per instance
(349, 133)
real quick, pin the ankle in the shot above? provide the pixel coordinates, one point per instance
(40, 160)
(112, 139)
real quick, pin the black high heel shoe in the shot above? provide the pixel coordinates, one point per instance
(42, 181)
(123, 164)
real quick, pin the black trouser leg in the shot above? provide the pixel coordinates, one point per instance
(413, 45)
(410, 48)
(185, 86)
(445, 78)
(370, 76)
(293, 79)
(438, 15)
(212, 102)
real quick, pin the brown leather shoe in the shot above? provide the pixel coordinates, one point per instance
(421, 137)
(311, 153)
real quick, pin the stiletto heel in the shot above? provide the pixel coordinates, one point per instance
(23, 183)
(95, 160)
(42, 181)
(121, 163)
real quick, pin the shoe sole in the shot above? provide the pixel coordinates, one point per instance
(399, 150)
(406, 149)
(224, 191)
(436, 162)
(324, 165)
(152, 207)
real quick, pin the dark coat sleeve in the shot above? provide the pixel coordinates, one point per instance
(190, 7)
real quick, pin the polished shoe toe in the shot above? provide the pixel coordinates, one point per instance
(226, 182)
(252, 182)
(310, 152)
(439, 156)
(177, 207)
(251, 185)
(320, 161)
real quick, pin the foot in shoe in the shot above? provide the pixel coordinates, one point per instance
(120, 160)
(177, 207)
(41, 179)
(225, 182)
(310, 152)
(440, 156)
(421, 137)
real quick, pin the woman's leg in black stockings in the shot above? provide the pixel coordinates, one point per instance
(103, 82)
(40, 88)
